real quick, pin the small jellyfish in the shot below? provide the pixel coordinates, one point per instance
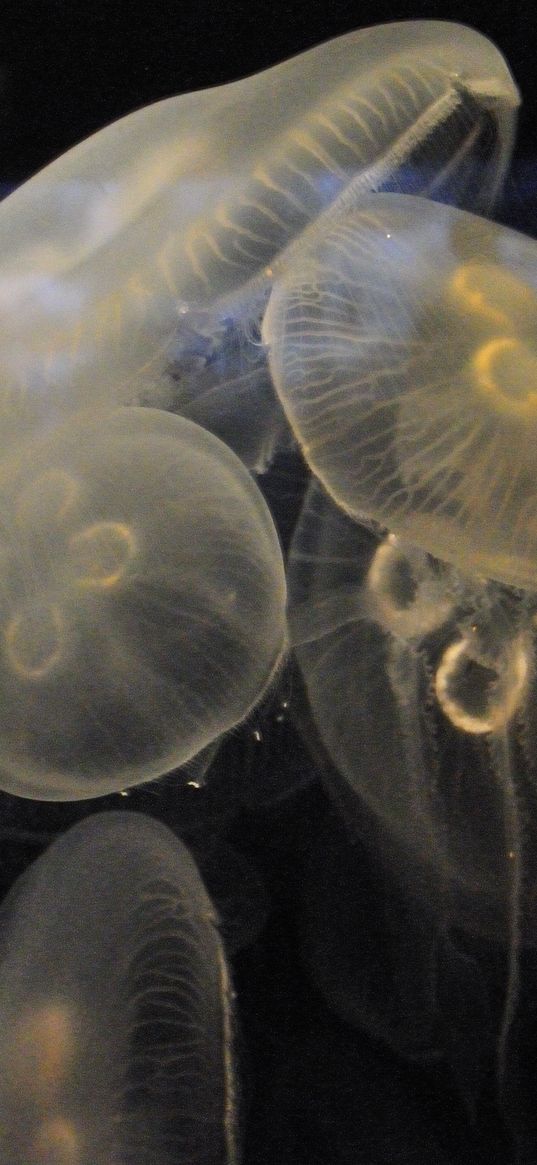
(403, 349)
(142, 602)
(136, 268)
(115, 1005)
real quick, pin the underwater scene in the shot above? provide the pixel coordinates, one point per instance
(268, 587)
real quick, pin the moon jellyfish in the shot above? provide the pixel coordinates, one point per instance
(142, 602)
(354, 610)
(421, 683)
(403, 349)
(413, 673)
(136, 268)
(115, 1005)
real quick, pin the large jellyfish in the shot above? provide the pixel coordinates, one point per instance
(402, 345)
(421, 687)
(142, 601)
(115, 1005)
(387, 640)
(403, 349)
(136, 268)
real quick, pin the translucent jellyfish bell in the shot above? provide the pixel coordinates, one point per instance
(142, 602)
(136, 268)
(344, 603)
(114, 1005)
(403, 349)
(421, 684)
(386, 638)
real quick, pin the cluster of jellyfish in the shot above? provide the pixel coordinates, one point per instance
(183, 295)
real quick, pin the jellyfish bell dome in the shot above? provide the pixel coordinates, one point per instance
(421, 690)
(136, 268)
(115, 1005)
(418, 681)
(403, 350)
(142, 602)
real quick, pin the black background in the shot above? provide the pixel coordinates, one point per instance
(314, 1089)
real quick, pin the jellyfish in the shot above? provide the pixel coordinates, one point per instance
(115, 1004)
(136, 268)
(142, 601)
(403, 350)
(359, 607)
(403, 660)
(421, 686)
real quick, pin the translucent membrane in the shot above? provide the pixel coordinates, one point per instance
(136, 268)
(142, 602)
(403, 349)
(114, 1005)
(387, 639)
(421, 684)
(369, 944)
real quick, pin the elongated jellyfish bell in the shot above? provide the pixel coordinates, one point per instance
(136, 268)
(403, 348)
(115, 1005)
(142, 601)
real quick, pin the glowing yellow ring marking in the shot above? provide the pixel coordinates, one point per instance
(113, 539)
(483, 363)
(497, 716)
(12, 634)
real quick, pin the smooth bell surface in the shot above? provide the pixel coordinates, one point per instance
(142, 602)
